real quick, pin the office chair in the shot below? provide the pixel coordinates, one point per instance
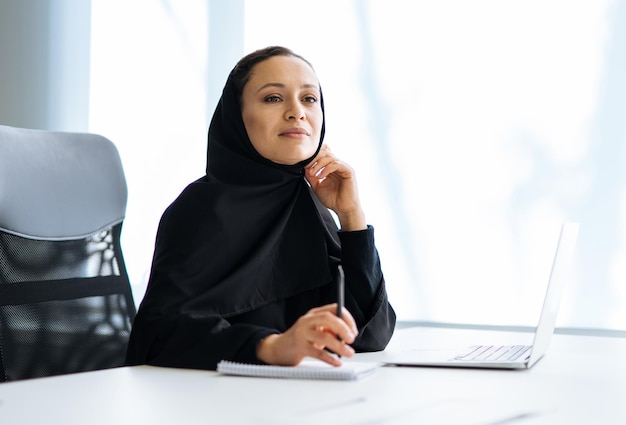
(66, 303)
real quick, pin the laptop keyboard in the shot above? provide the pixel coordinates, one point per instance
(494, 353)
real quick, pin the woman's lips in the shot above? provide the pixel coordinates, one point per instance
(296, 131)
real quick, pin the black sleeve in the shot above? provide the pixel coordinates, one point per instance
(366, 295)
(197, 343)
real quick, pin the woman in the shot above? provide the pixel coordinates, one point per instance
(245, 257)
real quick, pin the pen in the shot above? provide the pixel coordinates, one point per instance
(341, 284)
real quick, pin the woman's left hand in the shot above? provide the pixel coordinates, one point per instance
(334, 183)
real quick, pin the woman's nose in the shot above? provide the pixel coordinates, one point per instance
(295, 111)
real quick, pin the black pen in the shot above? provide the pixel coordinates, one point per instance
(341, 284)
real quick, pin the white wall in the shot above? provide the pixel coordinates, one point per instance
(153, 93)
(44, 64)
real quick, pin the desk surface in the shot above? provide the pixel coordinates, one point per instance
(575, 383)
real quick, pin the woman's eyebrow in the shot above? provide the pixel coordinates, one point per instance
(281, 85)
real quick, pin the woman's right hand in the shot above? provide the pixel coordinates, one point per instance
(313, 334)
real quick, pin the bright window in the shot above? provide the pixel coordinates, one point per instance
(475, 128)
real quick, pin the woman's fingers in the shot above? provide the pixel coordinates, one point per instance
(347, 317)
(331, 332)
(327, 332)
(324, 164)
(334, 183)
(323, 342)
(326, 167)
(326, 317)
(319, 333)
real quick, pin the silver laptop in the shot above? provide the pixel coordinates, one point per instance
(507, 356)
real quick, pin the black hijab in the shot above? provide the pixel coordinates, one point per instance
(249, 233)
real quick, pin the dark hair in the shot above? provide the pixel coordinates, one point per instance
(241, 72)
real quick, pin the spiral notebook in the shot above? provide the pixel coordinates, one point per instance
(307, 369)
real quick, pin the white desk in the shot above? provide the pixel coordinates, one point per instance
(574, 384)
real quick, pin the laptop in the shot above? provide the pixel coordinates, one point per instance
(517, 356)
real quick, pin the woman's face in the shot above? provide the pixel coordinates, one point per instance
(281, 109)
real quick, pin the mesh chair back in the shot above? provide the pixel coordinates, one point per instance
(66, 303)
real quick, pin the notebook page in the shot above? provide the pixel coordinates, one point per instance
(307, 369)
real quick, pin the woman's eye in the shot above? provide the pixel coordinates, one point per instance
(272, 99)
(310, 99)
